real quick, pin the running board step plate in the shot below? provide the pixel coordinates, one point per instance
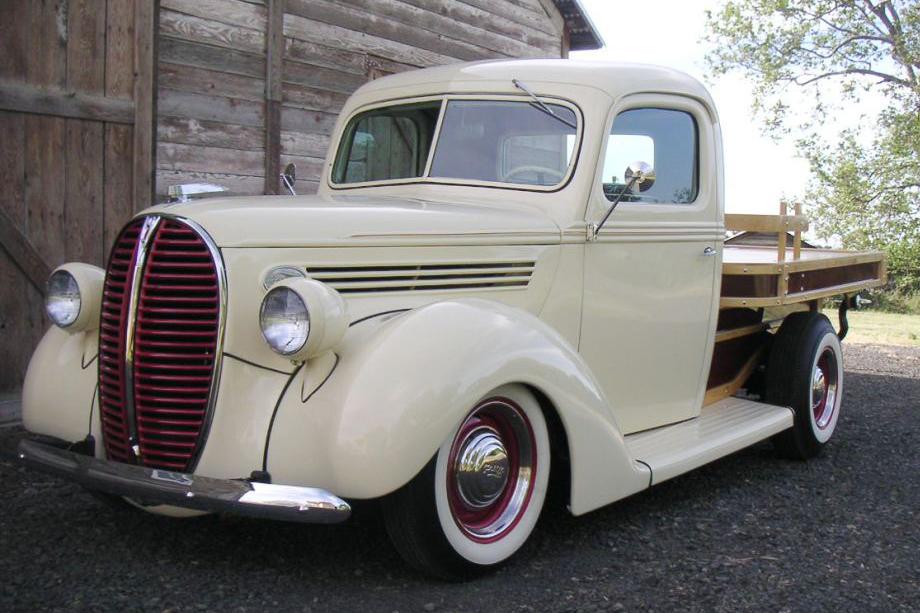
(722, 428)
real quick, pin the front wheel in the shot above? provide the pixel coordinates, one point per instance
(478, 499)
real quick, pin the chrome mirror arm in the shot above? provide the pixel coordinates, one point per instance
(595, 228)
(638, 174)
(287, 178)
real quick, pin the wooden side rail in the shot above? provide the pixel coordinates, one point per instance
(742, 222)
(781, 224)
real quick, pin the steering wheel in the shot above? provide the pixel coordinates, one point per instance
(537, 169)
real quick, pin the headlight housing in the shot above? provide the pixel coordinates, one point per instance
(280, 273)
(74, 295)
(301, 318)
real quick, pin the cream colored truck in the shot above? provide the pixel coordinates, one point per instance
(512, 279)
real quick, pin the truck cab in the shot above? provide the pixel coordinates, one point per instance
(512, 278)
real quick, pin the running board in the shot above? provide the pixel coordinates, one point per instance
(722, 428)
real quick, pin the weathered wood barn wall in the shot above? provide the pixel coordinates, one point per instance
(105, 103)
(76, 146)
(246, 86)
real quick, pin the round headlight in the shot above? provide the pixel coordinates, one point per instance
(63, 299)
(280, 273)
(285, 320)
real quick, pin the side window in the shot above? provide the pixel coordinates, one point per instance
(666, 139)
(383, 148)
(385, 144)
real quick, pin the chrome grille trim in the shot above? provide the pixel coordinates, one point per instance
(148, 230)
(144, 243)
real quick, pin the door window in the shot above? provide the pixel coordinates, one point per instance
(666, 139)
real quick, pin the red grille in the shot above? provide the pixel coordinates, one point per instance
(112, 380)
(175, 341)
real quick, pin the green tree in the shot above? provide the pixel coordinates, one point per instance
(813, 56)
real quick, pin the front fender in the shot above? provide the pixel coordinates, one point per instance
(404, 382)
(59, 391)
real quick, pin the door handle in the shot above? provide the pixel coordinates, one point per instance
(709, 251)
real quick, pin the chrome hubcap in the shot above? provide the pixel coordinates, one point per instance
(824, 386)
(482, 468)
(817, 387)
(492, 468)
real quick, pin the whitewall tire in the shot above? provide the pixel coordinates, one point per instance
(478, 500)
(805, 373)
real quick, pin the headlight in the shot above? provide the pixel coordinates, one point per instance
(74, 296)
(301, 318)
(285, 321)
(63, 299)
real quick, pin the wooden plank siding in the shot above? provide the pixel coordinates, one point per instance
(106, 103)
(247, 86)
(212, 94)
(67, 163)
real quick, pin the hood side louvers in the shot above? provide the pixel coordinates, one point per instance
(424, 277)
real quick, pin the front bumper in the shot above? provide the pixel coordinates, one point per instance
(151, 486)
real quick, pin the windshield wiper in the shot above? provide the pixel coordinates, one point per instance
(542, 105)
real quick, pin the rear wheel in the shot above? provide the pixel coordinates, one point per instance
(477, 501)
(805, 372)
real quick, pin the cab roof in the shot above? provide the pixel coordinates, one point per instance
(495, 76)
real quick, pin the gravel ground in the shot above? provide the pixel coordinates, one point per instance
(749, 532)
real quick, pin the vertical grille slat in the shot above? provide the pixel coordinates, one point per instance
(176, 335)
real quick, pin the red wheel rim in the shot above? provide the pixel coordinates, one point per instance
(824, 387)
(491, 470)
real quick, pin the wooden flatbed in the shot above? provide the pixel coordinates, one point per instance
(761, 285)
(777, 276)
(755, 277)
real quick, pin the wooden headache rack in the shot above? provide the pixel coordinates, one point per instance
(762, 284)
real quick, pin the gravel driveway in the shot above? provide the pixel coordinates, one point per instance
(750, 532)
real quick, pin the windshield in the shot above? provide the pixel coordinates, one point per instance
(493, 141)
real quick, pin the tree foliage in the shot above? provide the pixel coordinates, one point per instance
(820, 54)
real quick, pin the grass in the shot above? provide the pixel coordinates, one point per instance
(881, 328)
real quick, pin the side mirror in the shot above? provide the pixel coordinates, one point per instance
(640, 176)
(288, 177)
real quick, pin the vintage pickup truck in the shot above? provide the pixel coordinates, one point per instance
(513, 280)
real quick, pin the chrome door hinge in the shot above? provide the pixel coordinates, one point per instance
(591, 232)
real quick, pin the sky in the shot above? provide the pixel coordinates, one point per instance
(759, 172)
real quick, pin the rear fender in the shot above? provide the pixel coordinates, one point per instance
(404, 382)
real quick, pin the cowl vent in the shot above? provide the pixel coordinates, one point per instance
(424, 277)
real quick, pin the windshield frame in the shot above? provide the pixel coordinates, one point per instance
(426, 177)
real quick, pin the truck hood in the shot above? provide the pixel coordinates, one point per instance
(309, 221)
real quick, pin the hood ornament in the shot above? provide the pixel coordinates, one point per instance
(179, 194)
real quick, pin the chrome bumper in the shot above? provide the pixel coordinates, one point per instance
(150, 486)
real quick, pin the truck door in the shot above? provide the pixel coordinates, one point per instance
(651, 284)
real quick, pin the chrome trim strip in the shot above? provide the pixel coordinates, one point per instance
(140, 259)
(434, 137)
(149, 486)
